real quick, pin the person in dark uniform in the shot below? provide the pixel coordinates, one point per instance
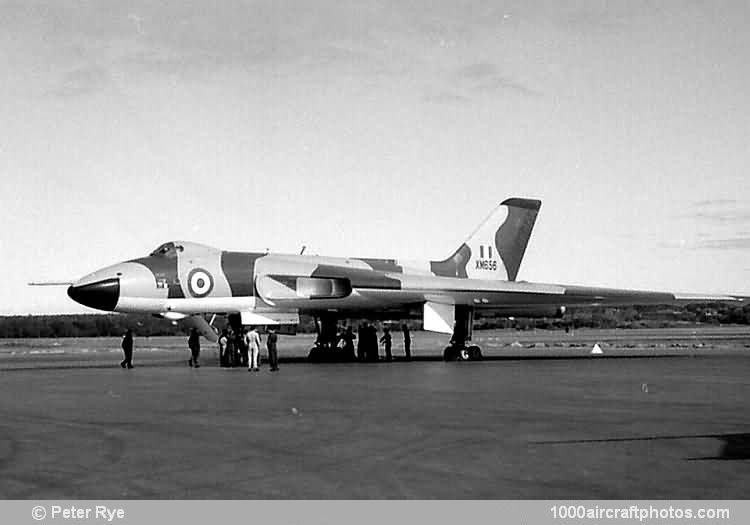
(386, 340)
(361, 342)
(127, 348)
(348, 338)
(372, 344)
(194, 343)
(242, 350)
(230, 348)
(273, 356)
(407, 341)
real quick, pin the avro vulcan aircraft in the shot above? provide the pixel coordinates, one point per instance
(184, 281)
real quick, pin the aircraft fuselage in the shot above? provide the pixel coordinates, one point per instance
(191, 278)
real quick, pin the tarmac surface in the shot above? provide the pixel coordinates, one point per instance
(534, 420)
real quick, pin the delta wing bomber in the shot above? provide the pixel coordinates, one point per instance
(185, 280)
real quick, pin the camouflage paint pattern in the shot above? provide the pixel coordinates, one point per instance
(184, 278)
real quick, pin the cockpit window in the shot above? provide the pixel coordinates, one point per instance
(168, 249)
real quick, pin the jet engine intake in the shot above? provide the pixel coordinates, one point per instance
(279, 287)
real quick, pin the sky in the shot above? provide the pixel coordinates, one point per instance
(376, 129)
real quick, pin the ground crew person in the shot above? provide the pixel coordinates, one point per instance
(242, 351)
(348, 338)
(386, 340)
(372, 344)
(230, 348)
(194, 343)
(127, 348)
(273, 355)
(223, 344)
(252, 339)
(361, 344)
(407, 341)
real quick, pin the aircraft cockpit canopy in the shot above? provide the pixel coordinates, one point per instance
(191, 249)
(168, 249)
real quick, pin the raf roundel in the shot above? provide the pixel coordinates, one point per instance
(200, 282)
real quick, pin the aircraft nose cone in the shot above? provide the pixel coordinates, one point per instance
(102, 295)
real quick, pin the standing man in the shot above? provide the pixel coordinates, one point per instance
(252, 340)
(372, 353)
(386, 340)
(223, 344)
(273, 356)
(230, 348)
(348, 338)
(194, 343)
(127, 348)
(361, 343)
(242, 351)
(407, 341)
(374, 347)
(239, 344)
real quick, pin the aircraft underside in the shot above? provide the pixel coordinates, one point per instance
(327, 347)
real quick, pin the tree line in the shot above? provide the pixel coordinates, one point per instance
(95, 325)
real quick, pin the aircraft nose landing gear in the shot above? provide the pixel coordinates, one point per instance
(458, 350)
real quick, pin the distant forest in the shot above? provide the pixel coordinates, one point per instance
(148, 325)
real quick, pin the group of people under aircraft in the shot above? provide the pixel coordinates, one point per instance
(242, 349)
(367, 343)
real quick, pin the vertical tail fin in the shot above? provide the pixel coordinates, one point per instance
(496, 248)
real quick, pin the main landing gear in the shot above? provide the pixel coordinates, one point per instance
(458, 350)
(462, 353)
(326, 349)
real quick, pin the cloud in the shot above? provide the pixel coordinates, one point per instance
(82, 81)
(446, 97)
(738, 243)
(506, 84)
(87, 44)
(478, 71)
(487, 77)
(728, 216)
(720, 211)
(715, 202)
(590, 18)
(462, 84)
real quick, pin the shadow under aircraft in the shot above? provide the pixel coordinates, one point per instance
(734, 446)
